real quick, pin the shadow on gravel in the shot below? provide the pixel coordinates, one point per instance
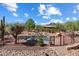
(1, 45)
(75, 47)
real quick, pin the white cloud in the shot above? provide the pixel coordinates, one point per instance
(77, 7)
(47, 10)
(76, 10)
(45, 17)
(43, 23)
(35, 22)
(49, 5)
(32, 8)
(74, 18)
(67, 18)
(54, 11)
(53, 21)
(15, 14)
(26, 15)
(12, 7)
(42, 8)
(58, 21)
(70, 19)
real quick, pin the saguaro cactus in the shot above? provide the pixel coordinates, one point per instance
(3, 29)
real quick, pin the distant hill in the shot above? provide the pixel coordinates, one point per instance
(51, 24)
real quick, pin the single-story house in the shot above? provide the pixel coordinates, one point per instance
(51, 38)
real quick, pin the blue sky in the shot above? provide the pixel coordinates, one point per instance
(41, 13)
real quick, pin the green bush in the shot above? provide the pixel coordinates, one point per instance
(40, 41)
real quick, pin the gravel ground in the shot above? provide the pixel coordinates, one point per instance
(37, 51)
(74, 52)
(26, 51)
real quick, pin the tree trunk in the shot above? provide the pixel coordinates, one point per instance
(3, 36)
(16, 39)
(15, 36)
(50, 41)
(60, 39)
(3, 40)
(73, 37)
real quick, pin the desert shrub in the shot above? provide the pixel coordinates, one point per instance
(40, 41)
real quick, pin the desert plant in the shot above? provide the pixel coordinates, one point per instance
(40, 41)
(3, 29)
(15, 30)
(30, 25)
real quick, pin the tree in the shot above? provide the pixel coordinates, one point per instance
(30, 25)
(71, 27)
(77, 25)
(40, 41)
(38, 28)
(60, 27)
(15, 30)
